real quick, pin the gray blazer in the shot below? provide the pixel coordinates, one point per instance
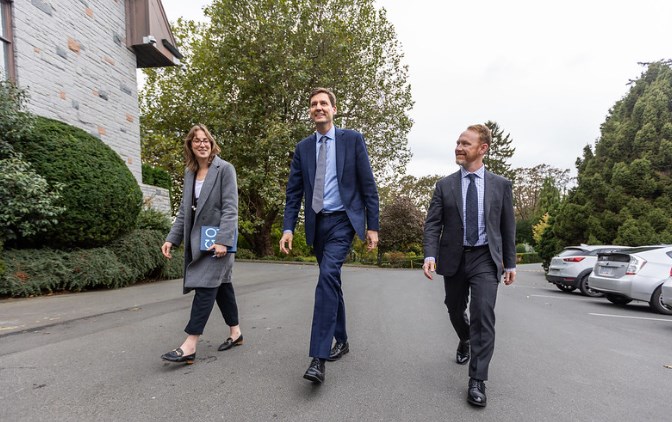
(217, 206)
(444, 228)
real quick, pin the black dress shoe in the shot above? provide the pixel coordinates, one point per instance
(463, 352)
(315, 372)
(229, 343)
(177, 355)
(338, 351)
(476, 393)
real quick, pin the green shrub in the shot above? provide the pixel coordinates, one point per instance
(134, 257)
(101, 196)
(27, 203)
(155, 176)
(151, 219)
(528, 258)
(15, 121)
(242, 253)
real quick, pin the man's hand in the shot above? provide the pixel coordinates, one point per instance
(286, 242)
(509, 277)
(165, 250)
(371, 240)
(218, 250)
(428, 268)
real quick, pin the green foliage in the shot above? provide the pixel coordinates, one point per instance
(623, 192)
(549, 245)
(536, 189)
(15, 121)
(27, 202)
(151, 219)
(500, 152)
(528, 258)
(524, 232)
(401, 225)
(134, 257)
(155, 176)
(101, 197)
(418, 189)
(247, 73)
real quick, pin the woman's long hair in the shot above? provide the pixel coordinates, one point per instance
(189, 157)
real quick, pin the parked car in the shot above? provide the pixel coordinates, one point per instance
(569, 270)
(634, 274)
(666, 292)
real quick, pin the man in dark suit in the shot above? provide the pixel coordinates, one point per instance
(469, 239)
(331, 170)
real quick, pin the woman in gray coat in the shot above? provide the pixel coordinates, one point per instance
(210, 198)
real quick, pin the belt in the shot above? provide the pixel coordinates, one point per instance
(474, 248)
(330, 213)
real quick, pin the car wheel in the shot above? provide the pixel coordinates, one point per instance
(618, 300)
(657, 304)
(565, 288)
(586, 290)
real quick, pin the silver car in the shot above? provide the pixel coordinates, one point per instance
(569, 270)
(666, 297)
(634, 274)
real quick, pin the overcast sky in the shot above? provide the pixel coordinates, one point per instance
(546, 72)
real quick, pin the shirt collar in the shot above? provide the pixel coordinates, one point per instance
(331, 134)
(480, 173)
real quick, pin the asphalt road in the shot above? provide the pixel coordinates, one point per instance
(558, 356)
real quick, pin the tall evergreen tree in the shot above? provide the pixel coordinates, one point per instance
(624, 191)
(500, 152)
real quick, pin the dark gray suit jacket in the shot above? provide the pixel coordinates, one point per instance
(444, 228)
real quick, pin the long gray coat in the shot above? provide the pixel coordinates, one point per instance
(217, 206)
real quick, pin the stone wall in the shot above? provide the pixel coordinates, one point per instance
(157, 198)
(72, 57)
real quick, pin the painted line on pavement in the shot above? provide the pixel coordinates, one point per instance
(630, 317)
(554, 297)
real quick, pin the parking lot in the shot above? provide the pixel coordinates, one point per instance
(558, 356)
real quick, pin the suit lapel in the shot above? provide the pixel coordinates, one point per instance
(311, 160)
(340, 154)
(487, 195)
(456, 187)
(188, 192)
(208, 184)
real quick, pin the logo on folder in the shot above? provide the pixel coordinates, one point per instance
(208, 234)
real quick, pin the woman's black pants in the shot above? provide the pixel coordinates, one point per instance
(204, 300)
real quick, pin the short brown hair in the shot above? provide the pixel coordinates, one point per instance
(189, 157)
(484, 133)
(327, 91)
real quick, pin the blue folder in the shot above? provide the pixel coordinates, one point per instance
(208, 234)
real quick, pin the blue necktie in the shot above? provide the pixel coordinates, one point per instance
(472, 211)
(320, 172)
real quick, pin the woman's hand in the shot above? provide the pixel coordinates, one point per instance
(218, 250)
(165, 250)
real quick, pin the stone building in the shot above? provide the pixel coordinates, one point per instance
(78, 61)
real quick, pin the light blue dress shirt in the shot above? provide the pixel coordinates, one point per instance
(332, 196)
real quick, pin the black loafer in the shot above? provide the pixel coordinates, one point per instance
(229, 343)
(463, 352)
(315, 371)
(178, 356)
(476, 393)
(338, 351)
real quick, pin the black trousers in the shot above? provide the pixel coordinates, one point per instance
(204, 301)
(476, 276)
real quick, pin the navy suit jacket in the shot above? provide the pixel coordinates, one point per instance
(444, 226)
(355, 183)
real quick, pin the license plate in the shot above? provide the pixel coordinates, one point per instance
(605, 271)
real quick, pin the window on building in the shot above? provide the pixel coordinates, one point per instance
(6, 45)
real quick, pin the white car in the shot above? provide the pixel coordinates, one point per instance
(634, 274)
(666, 297)
(569, 270)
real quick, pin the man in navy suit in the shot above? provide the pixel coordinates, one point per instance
(331, 171)
(470, 236)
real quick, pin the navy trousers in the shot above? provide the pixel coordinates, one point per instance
(333, 238)
(477, 273)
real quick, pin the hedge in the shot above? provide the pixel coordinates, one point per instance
(101, 196)
(132, 258)
(155, 176)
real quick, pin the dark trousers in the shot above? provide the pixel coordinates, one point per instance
(204, 300)
(333, 238)
(477, 273)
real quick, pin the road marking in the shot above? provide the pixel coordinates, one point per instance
(553, 297)
(630, 317)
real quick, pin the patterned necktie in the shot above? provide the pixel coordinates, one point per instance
(320, 171)
(472, 211)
